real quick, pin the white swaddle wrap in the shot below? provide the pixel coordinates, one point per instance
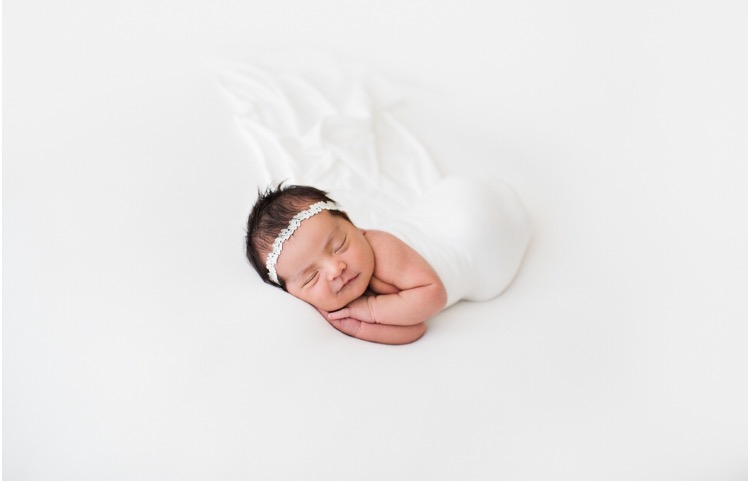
(473, 231)
(317, 122)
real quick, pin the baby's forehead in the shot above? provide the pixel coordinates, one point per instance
(329, 222)
(320, 230)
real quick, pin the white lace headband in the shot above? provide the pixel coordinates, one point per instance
(285, 234)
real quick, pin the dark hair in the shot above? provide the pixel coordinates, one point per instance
(271, 213)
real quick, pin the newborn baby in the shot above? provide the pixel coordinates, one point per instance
(463, 239)
(366, 283)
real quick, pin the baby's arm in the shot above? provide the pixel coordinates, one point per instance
(417, 292)
(381, 333)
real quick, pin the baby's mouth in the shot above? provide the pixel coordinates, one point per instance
(351, 279)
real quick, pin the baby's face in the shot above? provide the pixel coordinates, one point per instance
(327, 262)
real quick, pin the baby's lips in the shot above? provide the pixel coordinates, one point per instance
(348, 281)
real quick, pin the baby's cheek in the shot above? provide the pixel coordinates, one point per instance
(334, 304)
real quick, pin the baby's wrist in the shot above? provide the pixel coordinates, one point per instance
(370, 303)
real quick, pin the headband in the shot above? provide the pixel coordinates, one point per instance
(285, 234)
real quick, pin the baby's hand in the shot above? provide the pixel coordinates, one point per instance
(346, 325)
(359, 309)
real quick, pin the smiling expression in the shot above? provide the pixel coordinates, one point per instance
(328, 262)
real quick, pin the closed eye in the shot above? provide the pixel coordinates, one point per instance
(341, 246)
(310, 280)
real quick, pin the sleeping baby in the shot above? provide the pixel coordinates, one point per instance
(464, 239)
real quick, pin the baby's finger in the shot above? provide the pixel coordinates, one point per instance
(347, 325)
(340, 314)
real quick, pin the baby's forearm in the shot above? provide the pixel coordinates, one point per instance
(388, 334)
(408, 307)
(405, 308)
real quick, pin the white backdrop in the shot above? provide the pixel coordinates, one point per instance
(138, 343)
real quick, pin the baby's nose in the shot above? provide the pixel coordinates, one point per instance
(337, 267)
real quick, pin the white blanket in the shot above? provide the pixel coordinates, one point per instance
(310, 119)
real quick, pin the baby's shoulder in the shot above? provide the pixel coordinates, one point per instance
(387, 246)
(397, 264)
(381, 239)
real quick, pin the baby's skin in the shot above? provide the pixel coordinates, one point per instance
(367, 284)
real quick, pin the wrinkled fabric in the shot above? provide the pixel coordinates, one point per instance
(310, 120)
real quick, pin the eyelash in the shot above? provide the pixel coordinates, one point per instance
(310, 279)
(340, 246)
